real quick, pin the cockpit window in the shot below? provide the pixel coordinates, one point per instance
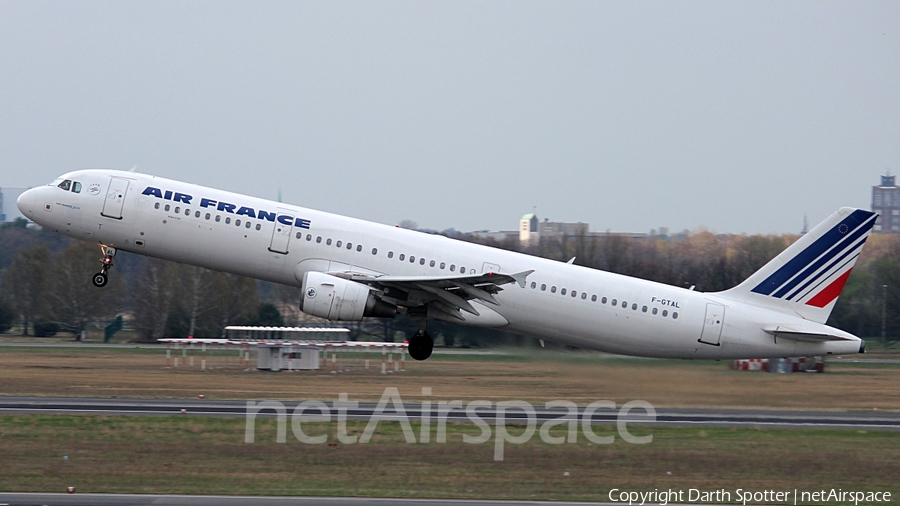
(65, 185)
(55, 182)
(76, 187)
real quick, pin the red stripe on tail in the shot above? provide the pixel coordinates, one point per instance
(830, 292)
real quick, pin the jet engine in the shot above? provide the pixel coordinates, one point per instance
(334, 298)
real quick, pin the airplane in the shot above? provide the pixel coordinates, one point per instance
(350, 269)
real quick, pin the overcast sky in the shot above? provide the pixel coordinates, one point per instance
(736, 116)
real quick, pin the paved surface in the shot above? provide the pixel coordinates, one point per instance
(212, 500)
(414, 411)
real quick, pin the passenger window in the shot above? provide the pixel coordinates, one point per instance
(603, 300)
(422, 262)
(228, 221)
(390, 254)
(374, 251)
(207, 216)
(675, 316)
(196, 214)
(187, 212)
(258, 226)
(552, 289)
(543, 287)
(655, 310)
(247, 224)
(319, 239)
(634, 307)
(533, 285)
(358, 248)
(665, 312)
(349, 245)
(593, 298)
(402, 257)
(624, 304)
(76, 187)
(218, 218)
(443, 265)
(338, 244)
(462, 270)
(562, 292)
(412, 259)
(574, 293)
(452, 268)
(156, 206)
(328, 242)
(309, 237)
(177, 210)
(66, 185)
(299, 235)
(583, 295)
(237, 223)
(644, 309)
(615, 302)
(431, 264)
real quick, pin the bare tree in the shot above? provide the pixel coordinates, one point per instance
(28, 278)
(76, 302)
(153, 298)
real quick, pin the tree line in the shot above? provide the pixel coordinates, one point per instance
(45, 285)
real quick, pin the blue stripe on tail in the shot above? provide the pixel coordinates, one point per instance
(848, 240)
(815, 250)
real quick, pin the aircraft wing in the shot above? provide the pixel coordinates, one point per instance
(445, 294)
(807, 337)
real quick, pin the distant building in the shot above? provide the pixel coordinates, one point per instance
(529, 234)
(560, 229)
(8, 210)
(532, 231)
(886, 202)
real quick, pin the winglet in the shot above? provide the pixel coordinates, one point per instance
(520, 277)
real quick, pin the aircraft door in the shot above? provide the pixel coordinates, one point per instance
(281, 236)
(115, 198)
(712, 324)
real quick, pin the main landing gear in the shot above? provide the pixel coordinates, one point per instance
(100, 279)
(420, 345)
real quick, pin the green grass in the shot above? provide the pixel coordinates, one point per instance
(200, 455)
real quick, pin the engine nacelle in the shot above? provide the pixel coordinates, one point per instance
(335, 298)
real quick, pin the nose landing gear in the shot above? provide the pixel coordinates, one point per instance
(100, 279)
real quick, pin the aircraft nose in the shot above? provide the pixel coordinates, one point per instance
(26, 201)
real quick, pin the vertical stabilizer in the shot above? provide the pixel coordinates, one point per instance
(808, 276)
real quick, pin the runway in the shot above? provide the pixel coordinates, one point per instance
(12, 499)
(676, 417)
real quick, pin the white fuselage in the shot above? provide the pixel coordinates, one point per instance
(559, 302)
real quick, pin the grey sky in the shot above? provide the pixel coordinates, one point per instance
(737, 116)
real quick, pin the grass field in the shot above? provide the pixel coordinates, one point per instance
(208, 455)
(531, 376)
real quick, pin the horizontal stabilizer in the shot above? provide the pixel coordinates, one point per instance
(806, 337)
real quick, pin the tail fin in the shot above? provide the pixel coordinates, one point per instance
(808, 276)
